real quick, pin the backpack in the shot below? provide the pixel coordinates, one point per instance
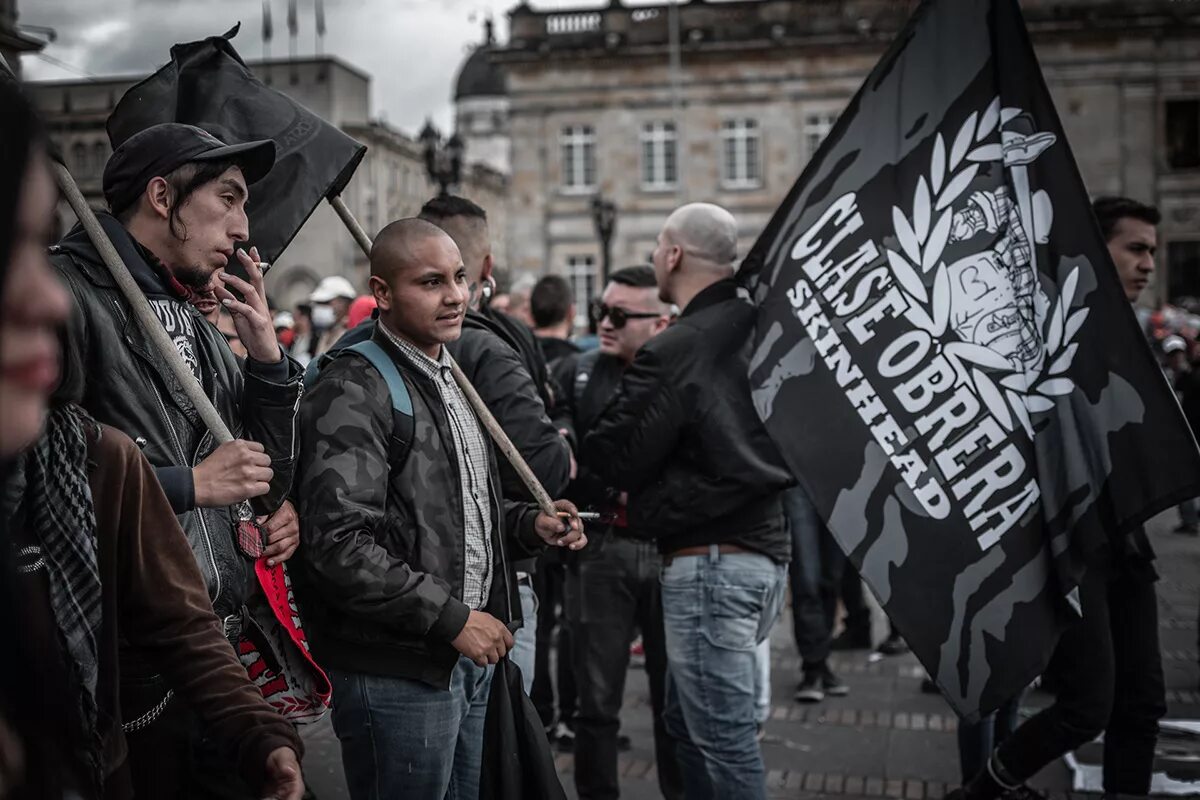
(403, 426)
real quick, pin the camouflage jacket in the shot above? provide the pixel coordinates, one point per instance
(379, 574)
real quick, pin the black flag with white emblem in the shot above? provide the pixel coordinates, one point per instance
(946, 358)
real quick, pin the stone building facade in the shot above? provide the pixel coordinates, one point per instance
(390, 183)
(598, 104)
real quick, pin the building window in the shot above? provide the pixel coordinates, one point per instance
(79, 157)
(581, 273)
(1183, 269)
(579, 158)
(99, 156)
(741, 154)
(1183, 134)
(816, 128)
(660, 162)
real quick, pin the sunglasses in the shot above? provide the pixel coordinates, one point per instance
(619, 316)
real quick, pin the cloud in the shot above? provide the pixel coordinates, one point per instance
(411, 48)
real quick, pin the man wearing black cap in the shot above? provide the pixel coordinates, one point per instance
(177, 197)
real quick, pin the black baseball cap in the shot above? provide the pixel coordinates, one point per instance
(161, 149)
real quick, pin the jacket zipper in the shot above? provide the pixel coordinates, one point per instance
(208, 548)
(204, 525)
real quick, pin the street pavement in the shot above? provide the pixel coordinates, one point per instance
(887, 738)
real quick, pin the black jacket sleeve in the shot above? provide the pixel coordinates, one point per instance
(178, 486)
(498, 374)
(639, 428)
(270, 399)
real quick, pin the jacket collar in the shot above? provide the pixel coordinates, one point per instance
(719, 292)
(151, 275)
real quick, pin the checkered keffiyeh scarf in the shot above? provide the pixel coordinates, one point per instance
(56, 507)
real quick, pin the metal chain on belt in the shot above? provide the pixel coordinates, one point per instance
(151, 715)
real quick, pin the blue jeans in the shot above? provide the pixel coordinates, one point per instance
(405, 738)
(524, 648)
(716, 609)
(762, 681)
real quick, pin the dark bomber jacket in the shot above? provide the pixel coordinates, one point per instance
(128, 385)
(379, 573)
(682, 437)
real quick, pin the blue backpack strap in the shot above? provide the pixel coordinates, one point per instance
(382, 362)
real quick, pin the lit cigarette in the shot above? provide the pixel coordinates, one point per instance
(589, 516)
(263, 266)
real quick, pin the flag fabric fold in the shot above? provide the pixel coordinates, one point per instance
(946, 358)
(207, 84)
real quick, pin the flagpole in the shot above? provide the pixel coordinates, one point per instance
(507, 448)
(140, 306)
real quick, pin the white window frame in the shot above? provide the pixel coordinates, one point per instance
(658, 146)
(817, 126)
(577, 144)
(746, 171)
(581, 274)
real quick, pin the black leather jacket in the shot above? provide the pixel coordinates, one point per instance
(499, 372)
(682, 437)
(126, 384)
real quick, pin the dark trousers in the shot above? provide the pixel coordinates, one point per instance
(1111, 680)
(172, 757)
(815, 573)
(977, 741)
(613, 589)
(858, 613)
(553, 633)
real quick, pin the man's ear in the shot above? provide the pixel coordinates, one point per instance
(674, 258)
(381, 292)
(158, 197)
(488, 265)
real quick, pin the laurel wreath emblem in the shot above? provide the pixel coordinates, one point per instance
(1010, 394)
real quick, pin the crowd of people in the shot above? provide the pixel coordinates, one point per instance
(137, 546)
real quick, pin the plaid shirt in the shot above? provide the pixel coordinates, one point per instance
(471, 447)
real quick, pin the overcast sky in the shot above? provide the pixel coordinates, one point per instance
(411, 48)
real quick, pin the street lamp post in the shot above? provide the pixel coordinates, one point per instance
(443, 162)
(604, 216)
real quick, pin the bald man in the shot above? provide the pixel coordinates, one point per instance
(683, 439)
(406, 564)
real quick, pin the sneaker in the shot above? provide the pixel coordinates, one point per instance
(893, 645)
(811, 688)
(563, 738)
(852, 640)
(831, 685)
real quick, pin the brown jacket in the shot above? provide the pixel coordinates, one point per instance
(154, 599)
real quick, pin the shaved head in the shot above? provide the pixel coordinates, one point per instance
(403, 244)
(471, 236)
(705, 231)
(696, 247)
(466, 222)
